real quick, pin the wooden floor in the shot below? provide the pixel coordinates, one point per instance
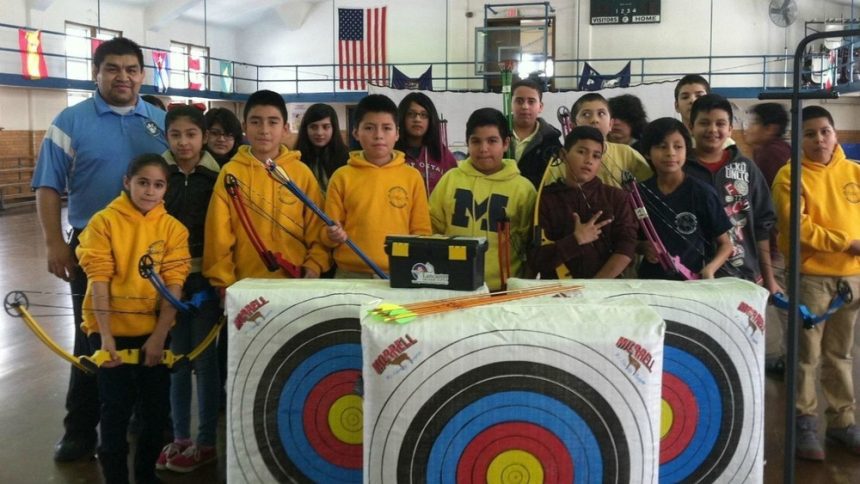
(33, 384)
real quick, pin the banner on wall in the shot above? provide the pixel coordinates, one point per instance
(658, 100)
(195, 73)
(161, 61)
(712, 408)
(424, 82)
(33, 65)
(361, 47)
(226, 76)
(94, 44)
(591, 80)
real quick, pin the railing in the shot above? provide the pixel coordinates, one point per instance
(739, 75)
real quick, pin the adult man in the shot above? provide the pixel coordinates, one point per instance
(86, 151)
(535, 141)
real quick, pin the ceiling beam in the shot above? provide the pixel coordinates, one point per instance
(161, 13)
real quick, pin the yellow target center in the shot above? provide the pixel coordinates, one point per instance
(346, 419)
(515, 467)
(667, 417)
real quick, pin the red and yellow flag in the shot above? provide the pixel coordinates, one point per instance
(32, 59)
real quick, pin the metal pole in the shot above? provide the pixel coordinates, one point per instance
(793, 276)
(711, 43)
(334, 26)
(447, 34)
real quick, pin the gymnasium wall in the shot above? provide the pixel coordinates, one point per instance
(417, 32)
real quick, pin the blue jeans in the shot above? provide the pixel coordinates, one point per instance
(187, 333)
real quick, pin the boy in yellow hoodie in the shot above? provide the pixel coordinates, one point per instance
(375, 194)
(473, 198)
(829, 254)
(284, 225)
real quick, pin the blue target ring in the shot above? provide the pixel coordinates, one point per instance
(518, 406)
(291, 406)
(306, 365)
(701, 382)
(704, 367)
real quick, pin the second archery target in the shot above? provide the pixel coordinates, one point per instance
(514, 393)
(294, 386)
(712, 413)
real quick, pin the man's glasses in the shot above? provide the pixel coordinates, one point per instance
(217, 133)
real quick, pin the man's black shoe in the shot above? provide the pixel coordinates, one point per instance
(71, 449)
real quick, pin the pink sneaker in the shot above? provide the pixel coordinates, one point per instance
(192, 458)
(169, 452)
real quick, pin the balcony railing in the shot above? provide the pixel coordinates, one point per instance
(733, 75)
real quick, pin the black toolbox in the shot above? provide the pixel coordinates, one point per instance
(436, 261)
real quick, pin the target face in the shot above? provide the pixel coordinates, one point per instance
(540, 408)
(709, 429)
(712, 414)
(295, 385)
(300, 418)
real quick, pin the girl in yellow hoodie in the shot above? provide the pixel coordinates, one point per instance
(471, 199)
(121, 311)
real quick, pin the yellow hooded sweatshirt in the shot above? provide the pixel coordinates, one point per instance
(829, 214)
(111, 247)
(371, 202)
(467, 202)
(281, 220)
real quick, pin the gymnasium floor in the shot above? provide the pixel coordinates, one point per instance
(33, 384)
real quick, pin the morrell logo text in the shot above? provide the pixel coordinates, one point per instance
(755, 321)
(251, 312)
(637, 355)
(395, 354)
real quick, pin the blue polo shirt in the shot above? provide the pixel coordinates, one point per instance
(87, 149)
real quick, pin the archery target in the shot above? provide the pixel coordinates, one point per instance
(514, 393)
(712, 413)
(294, 386)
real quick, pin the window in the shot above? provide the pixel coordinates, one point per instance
(81, 42)
(74, 97)
(189, 66)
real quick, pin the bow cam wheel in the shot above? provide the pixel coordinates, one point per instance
(13, 301)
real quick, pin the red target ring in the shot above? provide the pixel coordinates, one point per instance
(546, 448)
(685, 414)
(316, 419)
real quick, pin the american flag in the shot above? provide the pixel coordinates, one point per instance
(361, 47)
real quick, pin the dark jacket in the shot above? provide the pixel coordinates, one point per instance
(745, 196)
(187, 197)
(543, 146)
(557, 204)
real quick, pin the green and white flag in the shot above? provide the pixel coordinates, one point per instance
(226, 76)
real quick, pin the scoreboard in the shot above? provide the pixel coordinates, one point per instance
(606, 12)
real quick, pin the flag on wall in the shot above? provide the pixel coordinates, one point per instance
(94, 44)
(424, 82)
(195, 73)
(591, 80)
(361, 47)
(32, 59)
(161, 60)
(226, 76)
